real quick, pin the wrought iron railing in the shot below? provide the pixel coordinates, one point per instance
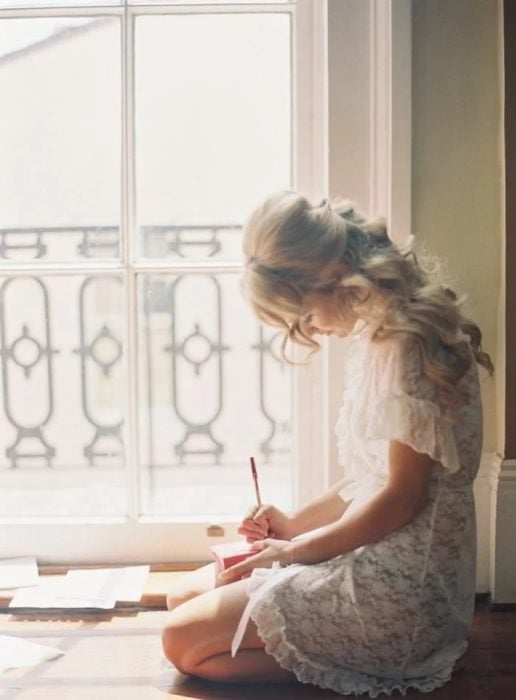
(32, 338)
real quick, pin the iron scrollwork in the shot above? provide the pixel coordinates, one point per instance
(267, 354)
(104, 351)
(193, 347)
(180, 349)
(26, 352)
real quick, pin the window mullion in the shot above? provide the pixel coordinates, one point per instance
(75, 11)
(215, 9)
(129, 255)
(310, 154)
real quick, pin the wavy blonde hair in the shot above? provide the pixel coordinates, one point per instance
(293, 248)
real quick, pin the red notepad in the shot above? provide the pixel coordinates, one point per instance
(231, 553)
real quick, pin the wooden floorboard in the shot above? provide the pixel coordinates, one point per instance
(117, 655)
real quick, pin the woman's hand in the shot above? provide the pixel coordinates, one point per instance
(268, 551)
(266, 521)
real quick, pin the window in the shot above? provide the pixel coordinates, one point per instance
(135, 139)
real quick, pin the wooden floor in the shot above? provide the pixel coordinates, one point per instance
(117, 656)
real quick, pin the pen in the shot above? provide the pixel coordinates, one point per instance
(255, 479)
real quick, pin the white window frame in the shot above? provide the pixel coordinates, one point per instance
(370, 152)
(317, 73)
(146, 538)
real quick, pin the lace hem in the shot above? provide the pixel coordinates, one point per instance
(271, 629)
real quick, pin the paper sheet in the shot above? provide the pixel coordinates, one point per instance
(123, 584)
(57, 594)
(15, 573)
(16, 652)
(86, 588)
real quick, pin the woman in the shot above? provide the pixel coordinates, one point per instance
(370, 588)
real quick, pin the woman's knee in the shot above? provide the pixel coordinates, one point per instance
(191, 585)
(175, 649)
(177, 596)
(182, 592)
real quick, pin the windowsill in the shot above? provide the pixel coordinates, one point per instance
(160, 580)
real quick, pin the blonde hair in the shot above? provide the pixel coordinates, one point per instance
(293, 248)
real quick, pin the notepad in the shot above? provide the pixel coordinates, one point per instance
(231, 553)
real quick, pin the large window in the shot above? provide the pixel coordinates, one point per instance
(135, 139)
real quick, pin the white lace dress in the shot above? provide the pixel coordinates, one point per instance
(394, 614)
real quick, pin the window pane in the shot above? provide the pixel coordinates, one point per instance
(61, 450)
(214, 392)
(213, 127)
(60, 138)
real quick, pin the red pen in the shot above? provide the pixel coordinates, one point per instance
(255, 479)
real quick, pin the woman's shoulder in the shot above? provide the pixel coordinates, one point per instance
(390, 351)
(408, 365)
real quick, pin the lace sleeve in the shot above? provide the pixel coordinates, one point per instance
(401, 403)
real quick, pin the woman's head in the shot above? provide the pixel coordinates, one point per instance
(297, 255)
(318, 268)
(303, 264)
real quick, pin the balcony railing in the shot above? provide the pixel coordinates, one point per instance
(63, 352)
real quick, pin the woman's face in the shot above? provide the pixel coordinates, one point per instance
(323, 315)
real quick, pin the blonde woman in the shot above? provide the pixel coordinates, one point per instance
(370, 588)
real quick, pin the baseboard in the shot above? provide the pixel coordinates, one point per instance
(500, 607)
(482, 489)
(484, 599)
(503, 542)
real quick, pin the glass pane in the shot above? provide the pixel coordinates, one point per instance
(60, 138)
(214, 392)
(61, 449)
(213, 127)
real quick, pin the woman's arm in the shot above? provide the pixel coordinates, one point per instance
(323, 510)
(268, 519)
(394, 506)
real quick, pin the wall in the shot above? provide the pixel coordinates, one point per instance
(457, 188)
(456, 164)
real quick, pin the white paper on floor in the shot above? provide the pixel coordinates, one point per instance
(16, 652)
(86, 588)
(124, 584)
(15, 573)
(57, 594)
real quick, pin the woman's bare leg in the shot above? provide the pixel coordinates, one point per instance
(191, 585)
(197, 639)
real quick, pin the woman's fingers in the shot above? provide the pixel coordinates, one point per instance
(252, 526)
(251, 512)
(256, 524)
(263, 513)
(250, 529)
(267, 517)
(262, 523)
(237, 571)
(243, 568)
